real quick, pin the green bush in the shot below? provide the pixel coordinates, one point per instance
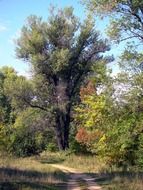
(139, 152)
(30, 134)
(52, 147)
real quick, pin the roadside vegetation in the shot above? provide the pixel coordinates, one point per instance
(109, 177)
(36, 172)
(29, 174)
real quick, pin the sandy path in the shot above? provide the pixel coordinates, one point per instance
(75, 175)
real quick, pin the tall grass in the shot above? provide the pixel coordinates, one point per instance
(85, 163)
(35, 173)
(29, 174)
(124, 183)
(110, 178)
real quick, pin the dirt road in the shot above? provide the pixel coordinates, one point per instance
(77, 177)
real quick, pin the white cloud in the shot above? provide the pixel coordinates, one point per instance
(2, 28)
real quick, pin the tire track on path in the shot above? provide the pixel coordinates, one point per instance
(76, 176)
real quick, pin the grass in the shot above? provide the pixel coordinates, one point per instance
(35, 173)
(85, 163)
(124, 183)
(109, 178)
(29, 174)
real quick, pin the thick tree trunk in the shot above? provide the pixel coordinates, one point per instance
(62, 113)
(67, 129)
(59, 138)
(62, 129)
(59, 131)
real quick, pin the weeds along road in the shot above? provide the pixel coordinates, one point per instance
(78, 180)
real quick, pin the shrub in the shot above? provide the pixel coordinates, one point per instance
(30, 134)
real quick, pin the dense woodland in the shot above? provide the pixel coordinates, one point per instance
(73, 101)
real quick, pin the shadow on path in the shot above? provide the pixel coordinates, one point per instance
(95, 181)
(76, 177)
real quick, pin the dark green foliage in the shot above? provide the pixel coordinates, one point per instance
(6, 115)
(30, 134)
(62, 53)
(23, 131)
(52, 146)
(139, 151)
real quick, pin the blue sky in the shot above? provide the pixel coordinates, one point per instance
(13, 14)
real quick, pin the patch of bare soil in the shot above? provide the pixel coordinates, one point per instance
(76, 176)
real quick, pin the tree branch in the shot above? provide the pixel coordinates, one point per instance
(127, 38)
(33, 105)
(132, 12)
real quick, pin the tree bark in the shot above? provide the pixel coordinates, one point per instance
(62, 128)
(67, 129)
(59, 138)
(59, 130)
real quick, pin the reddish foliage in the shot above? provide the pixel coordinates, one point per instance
(87, 138)
(88, 90)
(82, 135)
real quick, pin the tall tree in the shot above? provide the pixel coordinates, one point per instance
(126, 17)
(61, 52)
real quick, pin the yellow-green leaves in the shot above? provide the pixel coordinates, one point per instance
(90, 112)
(89, 117)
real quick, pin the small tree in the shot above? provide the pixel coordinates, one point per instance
(6, 73)
(61, 52)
